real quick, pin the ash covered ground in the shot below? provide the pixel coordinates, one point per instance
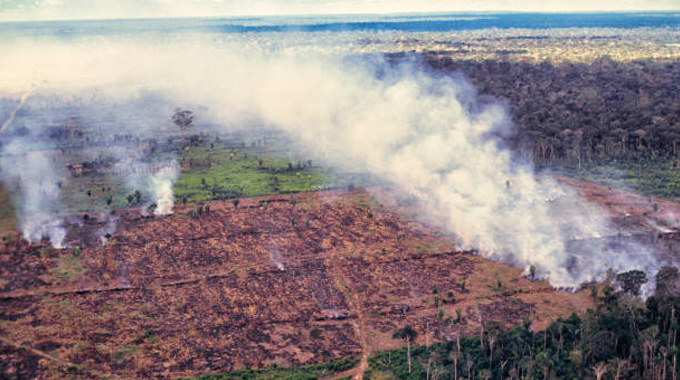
(246, 286)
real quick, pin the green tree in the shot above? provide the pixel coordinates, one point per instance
(667, 280)
(408, 335)
(183, 119)
(632, 281)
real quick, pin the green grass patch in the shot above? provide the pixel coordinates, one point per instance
(427, 246)
(655, 178)
(7, 218)
(219, 173)
(125, 352)
(222, 174)
(68, 268)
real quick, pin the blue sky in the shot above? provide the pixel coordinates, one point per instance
(88, 9)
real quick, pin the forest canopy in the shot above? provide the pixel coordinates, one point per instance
(577, 113)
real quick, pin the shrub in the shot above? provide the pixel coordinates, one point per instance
(315, 333)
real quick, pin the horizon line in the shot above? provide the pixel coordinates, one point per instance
(273, 15)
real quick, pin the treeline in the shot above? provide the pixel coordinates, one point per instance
(578, 113)
(624, 337)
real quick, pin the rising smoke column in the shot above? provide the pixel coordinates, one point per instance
(29, 174)
(161, 189)
(155, 179)
(434, 136)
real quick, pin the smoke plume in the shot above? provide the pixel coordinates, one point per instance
(435, 137)
(431, 135)
(32, 180)
(161, 187)
(277, 258)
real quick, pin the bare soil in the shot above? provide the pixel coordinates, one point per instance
(327, 276)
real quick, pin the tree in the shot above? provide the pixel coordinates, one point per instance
(544, 361)
(632, 281)
(494, 330)
(667, 281)
(600, 369)
(408, 335)
(183, 119)
(455, 356)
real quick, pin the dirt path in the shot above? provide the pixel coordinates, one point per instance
(360, 326)
(356, 308)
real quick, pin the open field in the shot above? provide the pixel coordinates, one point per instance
(286, 280)
(217, 172)
(98, 178)
(655, 179)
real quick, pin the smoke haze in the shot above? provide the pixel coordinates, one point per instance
(430, 135)
(30, 176)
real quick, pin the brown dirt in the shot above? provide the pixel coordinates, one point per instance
(177, 296)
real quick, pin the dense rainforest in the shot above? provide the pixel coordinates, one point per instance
(624, 337)
(579, 113)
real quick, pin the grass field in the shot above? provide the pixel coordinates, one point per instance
(649, 178)
(210, 173)
(7, 219)
(212, 169)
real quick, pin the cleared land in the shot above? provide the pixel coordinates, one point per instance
(287, 280)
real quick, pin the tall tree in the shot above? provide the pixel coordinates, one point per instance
(667, 279)
(408, 335)
(632, 281)
(183, 119)
(600, 369)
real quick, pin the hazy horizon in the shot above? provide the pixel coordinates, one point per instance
(58, 10)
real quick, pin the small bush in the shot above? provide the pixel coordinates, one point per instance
(315, 333)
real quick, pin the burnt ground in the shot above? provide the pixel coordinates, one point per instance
(649, 220)
(327, 276)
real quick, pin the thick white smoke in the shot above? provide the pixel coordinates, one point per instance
(30, 176)
(161, 187)
(433, 136)
(428, 134)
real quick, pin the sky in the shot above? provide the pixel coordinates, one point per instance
(21, 10)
